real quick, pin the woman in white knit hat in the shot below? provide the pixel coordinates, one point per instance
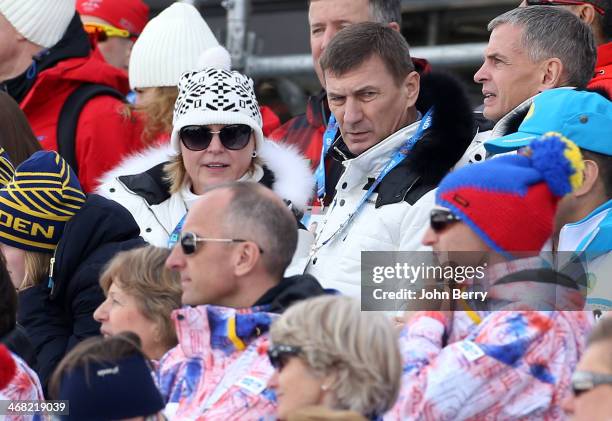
(216, 137)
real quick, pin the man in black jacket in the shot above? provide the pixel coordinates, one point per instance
(236, 243)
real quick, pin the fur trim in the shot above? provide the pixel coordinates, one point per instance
(293, 179)
(138, 163)
(452, 130)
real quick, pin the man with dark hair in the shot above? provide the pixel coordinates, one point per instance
(326, 18)
(598, 15)
(399, 135)
(236, 243)
(592, 380)
(530, 50)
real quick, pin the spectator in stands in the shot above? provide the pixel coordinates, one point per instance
(592, 380)
(328, 353)
(598, 15)
(503, 209)
(107, 379)
(243, 236)
(583, 222)
(210, 146)
(48, 67)
(326, 18)
(115, 25)
(372, 89)
(16, 135)
(530, 50)
(170, 45)
(12, 335)
(17, 382)
(56, 241)
(140, 296)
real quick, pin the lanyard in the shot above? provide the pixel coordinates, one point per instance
(176, 233)
(397, 158)
(328, 139)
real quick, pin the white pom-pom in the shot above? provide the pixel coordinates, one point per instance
(216, 57)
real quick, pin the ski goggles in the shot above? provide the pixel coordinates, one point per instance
(103, 32)
(598, 9)
(233, 137)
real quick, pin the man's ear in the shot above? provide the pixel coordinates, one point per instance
(585, 12)
(590, 177)
(395, 26)
(552, 73)
(412, 86)
(246, 256)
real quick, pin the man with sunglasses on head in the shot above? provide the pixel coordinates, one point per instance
(47, 65)
(512, 356)
(114, 25)
(592, 381)
(598, 15)
(234, 247)
(530, 50)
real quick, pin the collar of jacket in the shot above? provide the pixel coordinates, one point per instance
(445, 142)
(153, 186)
(317, 110)
(288, 291)
(226, 329)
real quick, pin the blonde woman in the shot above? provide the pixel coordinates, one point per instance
(140, 295)
(328, 353)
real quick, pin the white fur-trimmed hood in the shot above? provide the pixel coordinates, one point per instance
(293, 179)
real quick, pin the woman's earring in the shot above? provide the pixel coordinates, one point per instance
(254, 155)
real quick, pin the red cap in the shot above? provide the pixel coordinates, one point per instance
(131, 15)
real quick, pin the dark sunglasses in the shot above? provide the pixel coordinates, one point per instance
(233, 137)
(583, 381)
(564, 3)
(279, 355)
(189, 242)
(439, 219)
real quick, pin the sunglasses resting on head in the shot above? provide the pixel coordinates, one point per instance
(103, 32)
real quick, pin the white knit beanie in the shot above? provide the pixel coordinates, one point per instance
(169, 45)
(216, 96)
(42, 22)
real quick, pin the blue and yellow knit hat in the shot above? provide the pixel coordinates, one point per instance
(38, 202)
(6, 168)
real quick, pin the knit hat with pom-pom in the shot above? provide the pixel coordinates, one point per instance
(169, 45)
(510, 201)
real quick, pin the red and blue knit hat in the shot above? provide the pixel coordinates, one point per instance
(510, 201)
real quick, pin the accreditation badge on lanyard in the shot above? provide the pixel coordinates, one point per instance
(176, 233)
(395, 160)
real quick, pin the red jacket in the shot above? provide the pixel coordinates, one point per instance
(104, 135)
(603, 69)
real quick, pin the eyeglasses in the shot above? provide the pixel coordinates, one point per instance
(564, 3)
(583, 381)
(233, 137)
(279, 355)
(103, 32)
(189, 242)
(440, 219)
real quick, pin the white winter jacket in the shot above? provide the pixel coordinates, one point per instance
(392, 227)
(157, 219)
